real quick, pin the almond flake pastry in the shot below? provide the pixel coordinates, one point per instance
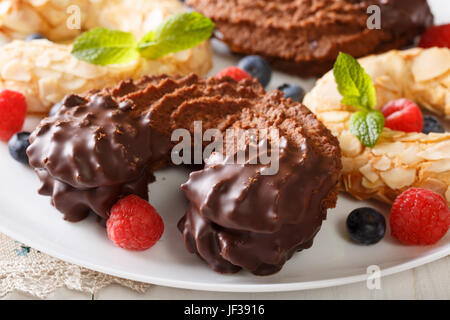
(399, 160)
(45, 71)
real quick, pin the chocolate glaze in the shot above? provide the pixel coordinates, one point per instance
(91, 153)
(403, 16)
(304, 37)
(239, 218)
(106, 144)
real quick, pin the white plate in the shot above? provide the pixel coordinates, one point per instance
(333, 260)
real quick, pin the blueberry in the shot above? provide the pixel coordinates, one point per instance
(34, 36)
(292, 91)
(54, 110)
(366, 226)
(18, 145)
(257, 67)
(432, 124)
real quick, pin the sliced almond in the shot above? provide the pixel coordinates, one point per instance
(392, 134)
(434, 185)
(45, 73)
(84, 69)
(371, 185)
(352, 164)
(438, 166)
(387, 83)
(430, 64)
(409, 155)
(438, 151)
(72, 84)
(398, 178)
(38, 3)
(446, 81)
(369, 173)
(350, 144)
(382, 164)
(413, 137)
(435, 137)
(391, 149)
(48, 87)
(335, 116)
(16, 70)
(383, 197)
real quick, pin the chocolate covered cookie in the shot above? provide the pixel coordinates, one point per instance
(304, 37)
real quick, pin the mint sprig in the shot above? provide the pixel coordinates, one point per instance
(102, 46)
(367, 126)
(358, 91)
(179, 32)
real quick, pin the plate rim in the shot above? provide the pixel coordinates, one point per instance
(242, 288)
(53, 251)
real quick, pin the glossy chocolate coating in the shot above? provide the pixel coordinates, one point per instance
(105, 145)
(93, 152)
(239, 218)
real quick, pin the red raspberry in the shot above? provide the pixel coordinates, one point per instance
(419, 217)
(134, 224)
(13, 109)
(403, 115)
(235, 73)
(437, 36)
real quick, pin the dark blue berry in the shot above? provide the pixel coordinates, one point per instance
(34, 36)
(366, 226)
(432, 124)
(54, 110)
(18, 145)
(258, 68)
(292, 91)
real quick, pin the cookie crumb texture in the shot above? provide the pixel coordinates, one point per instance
(256, 222)
(304, 37)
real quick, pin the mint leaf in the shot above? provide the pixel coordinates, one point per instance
(102, 47)
(358, 91)
(367, 126)
(354, 84)
(180, 32)
(177, 33)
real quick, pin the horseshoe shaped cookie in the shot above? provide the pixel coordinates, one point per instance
(45, 71)
(399, 160)
(105, 145)
(304, 37)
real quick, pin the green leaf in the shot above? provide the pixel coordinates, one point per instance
(354, 84)
(177, 33)
(103, 46)
(367, 126)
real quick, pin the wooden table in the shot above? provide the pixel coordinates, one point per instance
(431, 281)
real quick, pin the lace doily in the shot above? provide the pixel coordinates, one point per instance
(27, 270)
